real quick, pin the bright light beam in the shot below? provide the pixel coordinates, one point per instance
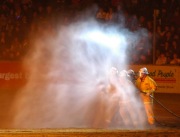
(113, 41)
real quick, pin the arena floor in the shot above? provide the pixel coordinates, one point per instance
(167, 122)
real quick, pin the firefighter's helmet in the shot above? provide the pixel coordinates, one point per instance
(131, 72)
(123, 73)
(143, 71)
(114, 70)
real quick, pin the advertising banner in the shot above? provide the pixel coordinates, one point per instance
(12, 75)
(166, 77)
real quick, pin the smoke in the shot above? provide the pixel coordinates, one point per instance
(68, 78)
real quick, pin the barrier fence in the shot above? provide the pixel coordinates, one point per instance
(12, 75)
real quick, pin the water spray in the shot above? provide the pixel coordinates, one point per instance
(63, 86)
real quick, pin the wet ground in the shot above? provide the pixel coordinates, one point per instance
(167, 115)
(167, 110)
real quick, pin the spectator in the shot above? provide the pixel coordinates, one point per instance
(175, 19)
(166, 48)
(109, 15)
(17, 17)
(3, 39)
(175, 60)
(161, 60)
(101, 14)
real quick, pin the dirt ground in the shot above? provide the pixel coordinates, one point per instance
(163, 116)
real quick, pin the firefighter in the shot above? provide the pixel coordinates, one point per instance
(147, 86)
(125, 105)
(108, 101)
(131, 75)
(130, 102)
(113, 78)
(113, 96)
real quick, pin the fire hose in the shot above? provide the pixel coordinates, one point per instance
(168, 110)
(165, 107)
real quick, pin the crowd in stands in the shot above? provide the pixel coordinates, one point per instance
(160, 17)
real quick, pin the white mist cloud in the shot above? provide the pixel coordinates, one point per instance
(65, 69)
